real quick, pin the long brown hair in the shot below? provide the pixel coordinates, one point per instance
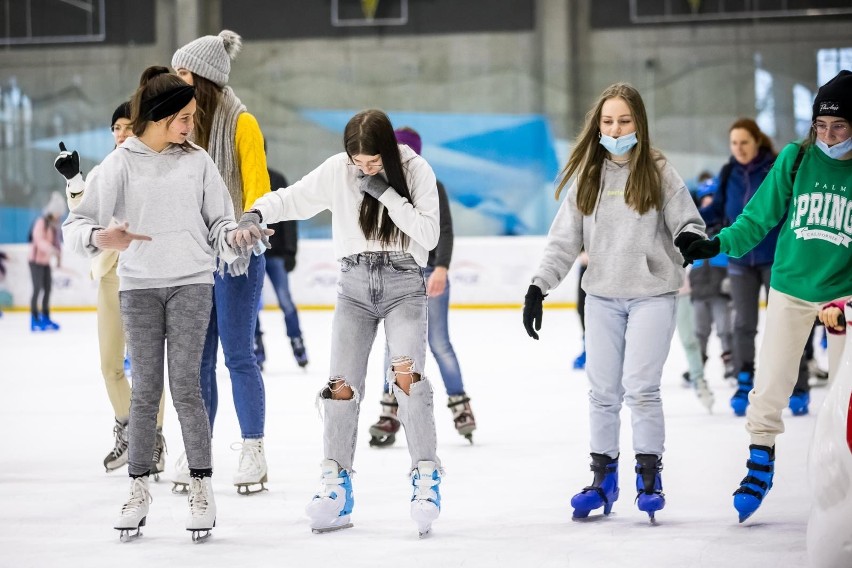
(154, 81)
(643, 190)
(207, 97)
(750, 126)
(370, 133)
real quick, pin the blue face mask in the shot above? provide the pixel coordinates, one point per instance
(835, 152)
(620, 145)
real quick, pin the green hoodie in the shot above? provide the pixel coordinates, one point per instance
(813, 260)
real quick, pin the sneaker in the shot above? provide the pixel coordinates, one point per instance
(330, 508)
(202, 508)
(757, 482)
(462, 415)
(426, 500)
(158, 463)
(180, 479)
(799, 401)
(299, 352)
(118, 456)
(251, 470)
(135, 510)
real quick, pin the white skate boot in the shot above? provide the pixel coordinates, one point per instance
(118, 456)
(426, 500)
(135, 511)
(180, 479)
(252, 467)
(330, 508)
(704, 394)
(158, 463)
(202, 509)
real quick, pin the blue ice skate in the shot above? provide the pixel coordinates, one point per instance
(426, 499)
(739, 402)
(580, 361)
(603, 492)
(757, 482)
(799, 401)
(35, 324)
(330, 508)
(649, 484)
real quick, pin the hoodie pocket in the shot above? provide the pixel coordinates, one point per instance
(622, 275)
(167, 255)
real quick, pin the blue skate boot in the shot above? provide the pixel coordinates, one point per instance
(649, 484)
(426, 499)
(330, 508)
(603, 491)
(745, 382)
(757, 482)
(580, 361)
(799, 401)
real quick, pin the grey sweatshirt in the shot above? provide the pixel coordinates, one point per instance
(176, 197)
(630, 255)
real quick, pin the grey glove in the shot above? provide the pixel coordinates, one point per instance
(249, 232)
(373, 185)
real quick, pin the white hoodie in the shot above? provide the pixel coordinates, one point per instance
(176, 197)
(334, 186)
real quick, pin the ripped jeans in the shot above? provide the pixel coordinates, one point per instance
(373, 286)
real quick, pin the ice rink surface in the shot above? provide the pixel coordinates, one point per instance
(505, 498)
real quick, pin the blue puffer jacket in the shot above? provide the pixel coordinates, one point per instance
(731, 197)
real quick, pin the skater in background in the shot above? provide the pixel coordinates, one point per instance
(692, 349)
(45, 245)
(752, 157)
(631, 211)
(233, 139)
(384, 201)
(111, 343)
(162, 186)
(812, 265)
(280, 261)
(383, 432)
(583, 261)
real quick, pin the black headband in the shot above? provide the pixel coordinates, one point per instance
(166, 103)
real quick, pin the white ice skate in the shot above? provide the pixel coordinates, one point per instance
(704, 394)
(251, 471)
(118, 456)
(180, 479)
(426, 500)
(330, 508)
(158, 463)
(135, 511)
(202, 509)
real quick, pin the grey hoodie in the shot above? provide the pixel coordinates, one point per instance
(630, 255)
(176, 197)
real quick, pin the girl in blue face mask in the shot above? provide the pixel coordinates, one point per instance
(630, 210)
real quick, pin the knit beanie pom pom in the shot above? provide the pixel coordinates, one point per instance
(232, 42)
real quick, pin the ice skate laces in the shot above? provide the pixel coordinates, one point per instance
(198, 501)
(120, 432)
(139, 495)
(250, 454)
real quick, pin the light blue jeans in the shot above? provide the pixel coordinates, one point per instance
(627, 343)
(372, 287)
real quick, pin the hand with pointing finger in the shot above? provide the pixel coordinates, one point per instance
(116, 238)
(67, 163)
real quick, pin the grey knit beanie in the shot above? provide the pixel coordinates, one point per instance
(209, 56)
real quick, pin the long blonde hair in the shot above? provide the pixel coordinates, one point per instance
(643, 190)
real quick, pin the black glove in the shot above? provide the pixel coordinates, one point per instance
(373, 185)
(532, 310)
(67, 163)
(683, 241)
(703, 248)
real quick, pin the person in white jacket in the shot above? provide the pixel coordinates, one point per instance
(385, 220)
(168, 189)
(111, 343)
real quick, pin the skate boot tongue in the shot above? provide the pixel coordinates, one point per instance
(329, 468)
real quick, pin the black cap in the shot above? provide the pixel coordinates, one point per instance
(121, 111)
(835, 97)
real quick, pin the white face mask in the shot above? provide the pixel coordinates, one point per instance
(837, 151)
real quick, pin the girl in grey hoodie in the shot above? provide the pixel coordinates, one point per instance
(631, 212)
(167, 188)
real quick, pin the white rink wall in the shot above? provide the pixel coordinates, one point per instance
(485, 272)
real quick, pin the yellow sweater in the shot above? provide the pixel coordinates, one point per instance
(252, 159)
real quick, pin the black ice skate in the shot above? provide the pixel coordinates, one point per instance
(118, 456)
(383, 432)
(299, 352)
(462, 415)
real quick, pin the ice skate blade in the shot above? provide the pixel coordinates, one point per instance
(129, 535)
(180, 488)
(156, 476)
(469, 438)
(200, 535)
(382, 441)
(323, 530)
(247, 488)
(423, 534)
